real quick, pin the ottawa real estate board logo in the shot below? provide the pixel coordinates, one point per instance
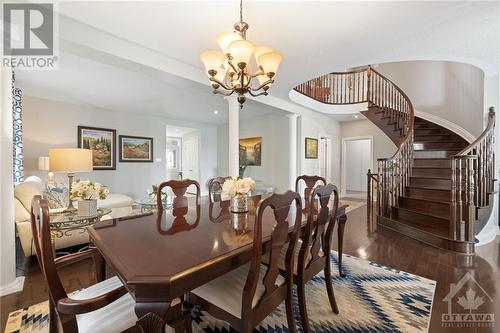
(466, 303)
(29, 36)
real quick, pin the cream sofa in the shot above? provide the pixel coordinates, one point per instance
(119, 204)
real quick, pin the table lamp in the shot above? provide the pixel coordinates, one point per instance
(70, 161)
(43, 165)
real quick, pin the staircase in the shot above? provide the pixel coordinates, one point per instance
(437, 188)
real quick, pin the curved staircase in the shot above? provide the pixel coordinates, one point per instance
(437, 188)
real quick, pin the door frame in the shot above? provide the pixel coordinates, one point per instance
(343, 177)
(329, 155)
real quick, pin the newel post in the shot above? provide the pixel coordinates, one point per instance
(453, 205)
(369, 193)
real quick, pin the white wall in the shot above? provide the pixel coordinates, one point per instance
(273, 128)
(313, 125)
(54, 124)
(450, 90)
(382, 145)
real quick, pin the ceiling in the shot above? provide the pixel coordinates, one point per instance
(163, 41)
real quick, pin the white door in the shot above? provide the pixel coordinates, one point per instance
(324, 155)
(357, 161)
(190, 160)
(173, 157)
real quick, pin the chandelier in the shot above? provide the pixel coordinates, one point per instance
(230, 70)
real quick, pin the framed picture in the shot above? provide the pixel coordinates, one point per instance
(251, 151)
(136, 149)
(102, 142)
(311, 148)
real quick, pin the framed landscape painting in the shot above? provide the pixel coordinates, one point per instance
(136, 149)
(251, 151)
(311, 148)
(102, 142)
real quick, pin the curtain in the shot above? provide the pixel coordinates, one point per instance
(17, 126)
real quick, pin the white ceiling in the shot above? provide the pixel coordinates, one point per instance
(314, 37)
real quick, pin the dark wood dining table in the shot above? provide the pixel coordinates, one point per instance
(160, 260)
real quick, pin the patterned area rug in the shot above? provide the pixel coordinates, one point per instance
(371, 298)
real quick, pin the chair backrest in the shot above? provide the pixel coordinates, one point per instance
(317, 235)
(215, 188)
(280, 205)
(180, 203)
(40, 227)
(310, 182)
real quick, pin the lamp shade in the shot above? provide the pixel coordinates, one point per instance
(241, 51)
(70, 160)
(43, 163)
(212, 59)
(260, 50)
(270, 62)
(225, 38)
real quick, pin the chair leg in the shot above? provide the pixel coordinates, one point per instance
(52, 318)
(301, 291)
(329, 287)
(186, 313)
(290, 317)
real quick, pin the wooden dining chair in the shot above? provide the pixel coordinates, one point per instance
(215, 188)
(313, 251)
(247, 295)
(104, 307)
(310, 183)
(180, 206)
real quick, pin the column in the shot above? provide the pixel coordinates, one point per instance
(292, 149)
(234, 135)
(8, 282)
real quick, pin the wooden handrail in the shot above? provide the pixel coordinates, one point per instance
(472, 181)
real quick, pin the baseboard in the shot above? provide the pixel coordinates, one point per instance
(14, 287)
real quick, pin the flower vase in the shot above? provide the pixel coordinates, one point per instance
(87, 207)
(239, 203)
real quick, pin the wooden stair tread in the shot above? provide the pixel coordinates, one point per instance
(426, 188)
(422, 213)
(431, 177)
(442, 232)
(426, 199)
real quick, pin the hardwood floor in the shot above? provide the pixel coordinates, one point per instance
(362, 240)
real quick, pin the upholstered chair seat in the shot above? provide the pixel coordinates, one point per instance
(226, 291)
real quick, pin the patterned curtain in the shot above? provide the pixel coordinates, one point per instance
(17, 126)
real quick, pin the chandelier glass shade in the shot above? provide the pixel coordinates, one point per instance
(232, 68)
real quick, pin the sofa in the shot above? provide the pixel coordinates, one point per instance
(119, 204)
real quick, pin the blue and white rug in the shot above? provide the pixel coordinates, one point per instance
(371, 298)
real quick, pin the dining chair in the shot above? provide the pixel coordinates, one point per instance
(247, 295)
(180, 201)
(310, 182)
(215, 188)
(103, 307)
(313, 251)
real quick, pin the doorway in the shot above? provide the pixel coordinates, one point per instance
(325, 158)
(357, 158)
(183, 153)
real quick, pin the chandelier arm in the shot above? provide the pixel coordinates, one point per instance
(220, 83)
(232, 66)
(262, 85)
(264, 93)
(218, 92)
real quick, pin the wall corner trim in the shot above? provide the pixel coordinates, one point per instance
(15, 286)
(446, 124)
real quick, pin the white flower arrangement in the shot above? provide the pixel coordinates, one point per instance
(87, 190)
(237, 186)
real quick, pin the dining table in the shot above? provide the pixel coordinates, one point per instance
(161, 258)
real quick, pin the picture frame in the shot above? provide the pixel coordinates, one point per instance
(136, 148)
(250, 151)
(102, 142)
(311, 148)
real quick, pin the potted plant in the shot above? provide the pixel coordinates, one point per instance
(87, 193)
(238, 189)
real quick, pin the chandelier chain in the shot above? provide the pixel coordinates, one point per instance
(241, 10)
